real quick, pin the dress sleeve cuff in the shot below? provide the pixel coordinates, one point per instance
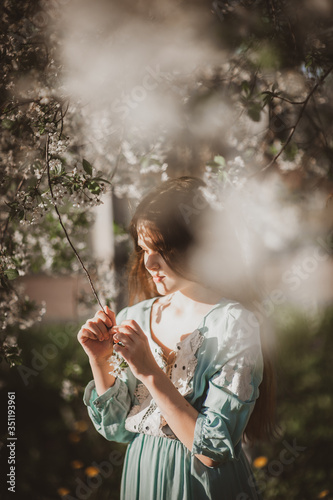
(91, 398)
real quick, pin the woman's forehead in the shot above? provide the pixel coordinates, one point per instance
(144, 235)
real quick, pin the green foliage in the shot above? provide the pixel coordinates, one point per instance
(304, 410)
(56, 440)
(54, 418)
(219, 167)
(11, 274)
(87, 167)
(11, 355)
(290, 151)
(118, 229)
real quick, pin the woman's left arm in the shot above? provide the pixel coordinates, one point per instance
(179, 414)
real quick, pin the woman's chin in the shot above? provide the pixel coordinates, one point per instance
(162, 289)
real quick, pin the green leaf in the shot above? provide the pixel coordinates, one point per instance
(94, 187)
(16, 261)
(267, 98)
(14, 360)
(7, 123)
(101, 179)
(58, 169)
(118, 229)
(246, 88)
(87, 167)
(220, 160)
(273, 150)
(290, 151)
(20, 214)
(254, 112)
(308, 61)
(11, 274)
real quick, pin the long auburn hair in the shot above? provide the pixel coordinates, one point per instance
(169, 216)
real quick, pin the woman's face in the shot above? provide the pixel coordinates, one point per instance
(165, 279)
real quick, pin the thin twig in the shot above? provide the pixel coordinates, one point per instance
(293, 128)
(63, 114)
(17, 105)
(118, 155)
(63, 227)
(62, 123)
(275, 96)
(8, 218)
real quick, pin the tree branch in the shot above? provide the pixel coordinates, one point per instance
(293, 128)
(64, 228)
(2, 238)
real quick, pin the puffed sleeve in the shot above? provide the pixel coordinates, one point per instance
(232, 389)
(109, 411)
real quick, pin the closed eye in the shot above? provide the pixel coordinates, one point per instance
(143, 249)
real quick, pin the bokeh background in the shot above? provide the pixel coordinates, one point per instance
(101, 101)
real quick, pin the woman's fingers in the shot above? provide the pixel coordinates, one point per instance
(122, 334)
(84, 335)
(96, 330)
(128, 337)
(121, 349)
(133, 326)
(103, 327)
(98, 327)
(107, 316)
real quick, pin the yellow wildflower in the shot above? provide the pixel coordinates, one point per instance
(63, 491)
(91, 471)
(74, 437)
(323, 494)
(77, 464)
(81, 426)
(260, 462)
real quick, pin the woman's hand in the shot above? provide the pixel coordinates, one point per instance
(95, 336)
(135, 348)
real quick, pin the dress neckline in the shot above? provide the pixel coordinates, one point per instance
(200, 325)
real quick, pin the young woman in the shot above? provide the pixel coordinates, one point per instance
(194, 365)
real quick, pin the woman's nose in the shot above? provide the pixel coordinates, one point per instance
(152, 262)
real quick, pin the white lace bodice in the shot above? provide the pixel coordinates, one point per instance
(145, 416)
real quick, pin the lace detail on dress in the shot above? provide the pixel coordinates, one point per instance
(141, 392)
(185, 363)
(236, 375)
(144, 415)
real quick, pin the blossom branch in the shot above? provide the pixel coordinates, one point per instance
(64, 228)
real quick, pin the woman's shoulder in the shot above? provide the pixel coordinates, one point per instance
(232, 318)
(231, 309)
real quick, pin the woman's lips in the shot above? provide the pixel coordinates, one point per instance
(158, 279)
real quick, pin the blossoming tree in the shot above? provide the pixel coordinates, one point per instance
(243, 95)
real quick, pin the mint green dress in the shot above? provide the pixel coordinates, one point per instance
(218, 369)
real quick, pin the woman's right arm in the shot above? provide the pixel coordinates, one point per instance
(96, 339)
(102, 377)
(108, 399)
